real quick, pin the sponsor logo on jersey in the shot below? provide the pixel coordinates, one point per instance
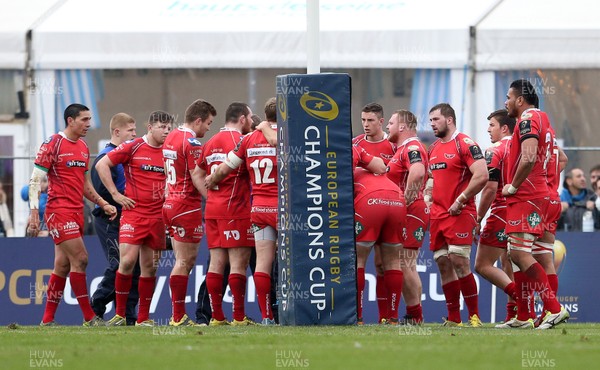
(514, 222)
(48, 140)
(127, 228)
(262, 152)
(179, 230)
(169, 154)
(70, 225)
(438, 166)
(319, 105)
(199, 229)
(449, 156)
(84, 155)
(462, 235)
(194, 142)
(254, 228)
(53, 233)
(65, 155)
(468, 141)
(216, 157)
(358, 228)
(413, 147)
(231, 234)
(152, 168)
(74, 163)
(384, 202)
(534, 219)
(419, 233)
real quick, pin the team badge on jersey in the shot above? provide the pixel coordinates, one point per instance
(414, 156)
(476, 152)
(524, 127)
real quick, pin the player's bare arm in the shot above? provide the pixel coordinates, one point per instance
(377, 166)
(524, 167)
(478, 180)
(268, 132)
(35, 189)
(90, 193)
(199, 179)
(414, 182)
(103, 168)
(216, 177)
(563, 160)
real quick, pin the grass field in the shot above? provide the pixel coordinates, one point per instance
(570, 346)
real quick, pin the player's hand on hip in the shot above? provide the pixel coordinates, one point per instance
(455, 208)
(127, 203)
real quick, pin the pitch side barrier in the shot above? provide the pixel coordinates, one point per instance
(316, 256)
(26, 265)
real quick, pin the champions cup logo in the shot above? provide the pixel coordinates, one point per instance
(319, 105)
(281, 107)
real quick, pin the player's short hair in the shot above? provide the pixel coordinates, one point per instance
(446, 110)
(373, 108)
(271, 110)
(408, 118)
(235, 110)
(120, 120)
(501, 115)
(159, 116)
(256, 120)
(199, 109)
(524, 88)
(73, 111)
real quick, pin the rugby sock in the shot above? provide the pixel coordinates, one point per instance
(415, 312)
(214, 286)
(553, 281)
(510, 290)
(146, 290)
(522, 295)
(393, 283)
(360, 286)
(122, 288)
(468, 287)
(56, 287)
(511, 310)
(262, 281)
(382, 294)
(237, 283)
(452, 294)
(79, 286)
(536, 274)
(178, 285)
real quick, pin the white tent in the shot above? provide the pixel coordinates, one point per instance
(540, 34)
(16, 18)
(255, 34)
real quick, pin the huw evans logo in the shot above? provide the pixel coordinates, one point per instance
(319, 105)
